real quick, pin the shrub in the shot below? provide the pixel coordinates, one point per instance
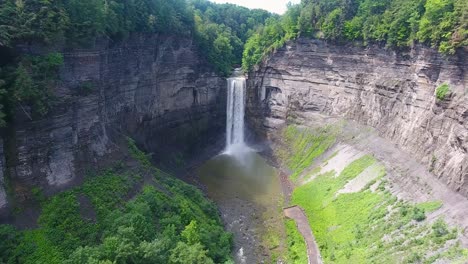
(85, 88)
(439, 228)
(442, 91)
(418, 214)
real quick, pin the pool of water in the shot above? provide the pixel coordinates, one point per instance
(248, 193)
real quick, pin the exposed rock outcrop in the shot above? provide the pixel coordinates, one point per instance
(155, 89)
(308, 81)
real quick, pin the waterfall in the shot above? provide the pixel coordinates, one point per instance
(235, 113)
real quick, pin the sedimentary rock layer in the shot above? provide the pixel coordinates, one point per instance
(308, 81)
(155, 89)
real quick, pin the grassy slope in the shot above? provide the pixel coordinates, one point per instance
(362, 227)
(303, 146)
(300, 148)
(297, 249)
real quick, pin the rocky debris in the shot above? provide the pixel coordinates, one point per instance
(362, 180)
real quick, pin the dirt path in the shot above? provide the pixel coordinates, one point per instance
(296, 213)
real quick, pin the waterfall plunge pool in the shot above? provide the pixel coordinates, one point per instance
(248, 194)
(246, 189)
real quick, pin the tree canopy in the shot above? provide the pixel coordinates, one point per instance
(395, 23)
(167, 221)
(224, 33)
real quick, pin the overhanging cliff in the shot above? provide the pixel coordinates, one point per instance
(308, 81)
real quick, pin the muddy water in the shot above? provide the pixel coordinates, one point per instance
(248, 193)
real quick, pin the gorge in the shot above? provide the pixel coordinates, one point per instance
(146, 143)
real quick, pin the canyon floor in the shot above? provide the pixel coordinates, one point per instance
(359, 164)
(393, 178)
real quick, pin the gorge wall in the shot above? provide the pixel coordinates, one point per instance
(155, 89)
(308, 81)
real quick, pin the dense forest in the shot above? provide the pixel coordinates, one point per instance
(394, 23)
(166, 221)
(27, 80)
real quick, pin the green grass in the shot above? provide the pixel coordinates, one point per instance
(304, 146)
(429, 207)
(137, 154)
(442, 91)
(297, 249)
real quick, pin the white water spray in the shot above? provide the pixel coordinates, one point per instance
(235, 115)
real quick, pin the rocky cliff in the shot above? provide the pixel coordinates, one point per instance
(155, 89)
(308, 81)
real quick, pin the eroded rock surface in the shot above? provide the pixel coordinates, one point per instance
(308, 81)
(155, 89)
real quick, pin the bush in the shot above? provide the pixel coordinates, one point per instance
(442, 91)
(440, 228)
(85, 88)
(10, 238)
(418, 214)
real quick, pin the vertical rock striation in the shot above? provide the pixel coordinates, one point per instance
(395, 92)
(153, 88)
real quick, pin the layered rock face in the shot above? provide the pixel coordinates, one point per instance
(154, 89)
(308, 81)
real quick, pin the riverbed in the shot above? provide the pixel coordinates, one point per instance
(248, 193)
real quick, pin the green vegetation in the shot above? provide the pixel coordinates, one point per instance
(222, 29)
(430, 207)
(29, 85)
(303, 146)
(367, 226)
(442, 91)
(271, 36)
(79, 22)
(397, 23)
(115, 217)
(372, 227)
(273, 232)
(297, 249)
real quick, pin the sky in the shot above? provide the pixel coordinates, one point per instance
(275, 6)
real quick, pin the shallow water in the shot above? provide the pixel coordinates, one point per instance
(248, 193)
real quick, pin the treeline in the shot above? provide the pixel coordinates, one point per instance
(80, 21)
(220, 30)
(395, 23)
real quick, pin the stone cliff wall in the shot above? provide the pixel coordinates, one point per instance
(155, 89)
(308, 81)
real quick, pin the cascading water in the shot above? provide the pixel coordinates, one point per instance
(235, 115)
